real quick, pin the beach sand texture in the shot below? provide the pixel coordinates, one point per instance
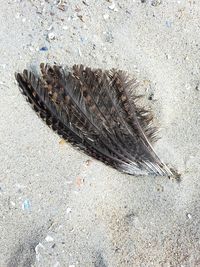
(59, 207)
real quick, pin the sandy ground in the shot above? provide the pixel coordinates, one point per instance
(59, 207)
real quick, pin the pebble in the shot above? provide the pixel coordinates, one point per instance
(168, 23)
(156, 2)
(51, 36)
(106, 16)
(69, 210)
(12, 203)
(65, 27)
(37, 251)
(49, 238)
(31, 48)
(113, 7)
(44, 48)
(189, 216)
(26, 205)
(79, 52)
(17, 15)
(50, 28)
(197, 87)
(108, 37)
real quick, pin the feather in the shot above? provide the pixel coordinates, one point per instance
(96, 111)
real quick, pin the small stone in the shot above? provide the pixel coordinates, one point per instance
(106, 16)
(37, 251)
(79, 52)
(17, 15)
(62, 6)
(151, 96)
(51, 36)
(50, 28)
(189, 216)
(65, 27)
(168, 56)
(69, 210)
(26, 205)
(77, 9)
(197, 87)
(31, 48)
(12, 203)
(81, 18)
(168, 23)
(113, 7)
(88, 162)
(49, 238)
(109, 37)
(156, 2)
(62, 142)
(160, 188)
(44, 48)
(85, 3)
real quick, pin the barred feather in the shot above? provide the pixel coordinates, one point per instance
(97, 112)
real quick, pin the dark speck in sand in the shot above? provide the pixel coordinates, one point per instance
(44, 48)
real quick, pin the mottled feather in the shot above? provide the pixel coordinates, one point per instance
(96, 111)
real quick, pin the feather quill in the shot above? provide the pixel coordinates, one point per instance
(96, 111)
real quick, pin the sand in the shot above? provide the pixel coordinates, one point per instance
(59, 207)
